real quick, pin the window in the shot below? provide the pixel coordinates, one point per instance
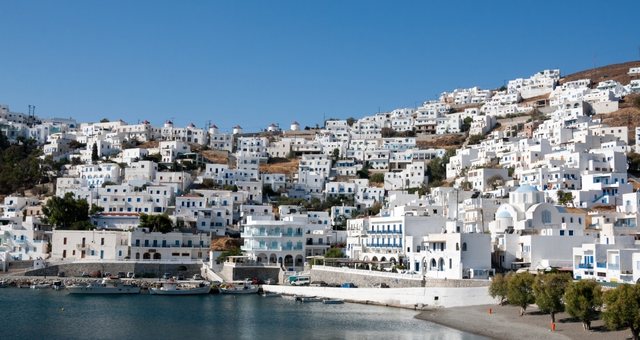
(102, 241)
(64, 240)
(546, 216)
(464, 246)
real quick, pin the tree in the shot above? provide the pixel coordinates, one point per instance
(334, 253)
(336, 154)
(499, 287)
(520, 291)
(231, 252)
(104, 120)
(466, 124)
(633, 161)
(95, 209)
(475, 139)
(549, 289)
(351, 121)
(67, 212)
(582, 300)
(495, 181)
(623, 309)
(564, 198)
(437, 168)
(376, 178)
(156, 223)
(94, 153)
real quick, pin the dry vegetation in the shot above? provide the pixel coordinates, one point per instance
(628, 115)
(445, 141)
(150, 144)
(288, 168)
(615, 71)
(215, 156)
(225, 243)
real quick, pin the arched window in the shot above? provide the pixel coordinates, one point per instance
(433, 264)
(546, 216)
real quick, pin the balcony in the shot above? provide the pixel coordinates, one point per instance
(585, 265)
(601, 264)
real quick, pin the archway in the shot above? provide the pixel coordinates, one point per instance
(261, 258)
(288, 261)
(374, 259)
(146, 256)
(157, 256)
(137, 256)
(273, 259)
(434, 265)
(299, 261)
(441, 264)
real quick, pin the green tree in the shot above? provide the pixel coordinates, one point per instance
(549, 290)
(564, 198)
(582, 300)
(67, 212)
(466, 124)
(633, 161)
(336, 154)
(437, 168)
(499, 287)
(623, 309)
(376, 178)
(94, 153)
(520, 291)
(156, 223)
(95, 209)
(475, 139)
(334, 253)
(236, 251)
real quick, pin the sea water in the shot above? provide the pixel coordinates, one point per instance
(49, 314)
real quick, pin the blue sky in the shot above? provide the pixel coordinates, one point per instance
(257, 62)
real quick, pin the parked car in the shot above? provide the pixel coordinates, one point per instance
(269, 281)
(318, 284)
(131, 275)
(106, 274)
(349, 285)
(301, 281)
(84, 274)
(61, 274)
(197, 277)
(381, 285)
(180, 277)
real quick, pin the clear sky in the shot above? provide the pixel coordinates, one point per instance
(256, 62)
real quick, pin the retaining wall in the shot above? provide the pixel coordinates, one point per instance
(367, 278)
(141, 269)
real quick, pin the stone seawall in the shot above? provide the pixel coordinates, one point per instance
(139, 268)
(366, 278)
(241, 273)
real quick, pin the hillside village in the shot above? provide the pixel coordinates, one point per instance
(537, 174)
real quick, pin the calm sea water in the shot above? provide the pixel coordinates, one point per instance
(48, 314)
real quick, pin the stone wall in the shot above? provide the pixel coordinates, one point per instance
(139, 268)
(366, 278)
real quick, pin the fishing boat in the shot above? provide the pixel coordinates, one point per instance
(57, 285)
(332, 301)
(106, 286)
(305, 299)
(40, 286)
(171, 287)
(244, 287)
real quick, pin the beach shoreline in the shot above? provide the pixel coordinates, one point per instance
(504, 322)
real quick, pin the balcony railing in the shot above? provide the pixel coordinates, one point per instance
(601, 265)
(585, 265)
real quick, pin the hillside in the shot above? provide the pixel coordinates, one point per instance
(614, 71)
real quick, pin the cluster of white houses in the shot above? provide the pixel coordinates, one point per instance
(551, 192)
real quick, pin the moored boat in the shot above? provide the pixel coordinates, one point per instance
(332, 301)
(106, 286)
(171, 287)
(305, 299)
(40, 286)
(271, 294)
(244, 287)
(4, 284)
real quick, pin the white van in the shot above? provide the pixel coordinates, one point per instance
(301, 281)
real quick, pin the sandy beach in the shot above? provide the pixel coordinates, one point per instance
(505, 323)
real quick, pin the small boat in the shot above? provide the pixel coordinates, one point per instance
(57, 285)
(271, 294)
(171, 288)
(40, 286)
(305, 299)
(4, 284)
(332, 301)
(106, 286)
(244, 287)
